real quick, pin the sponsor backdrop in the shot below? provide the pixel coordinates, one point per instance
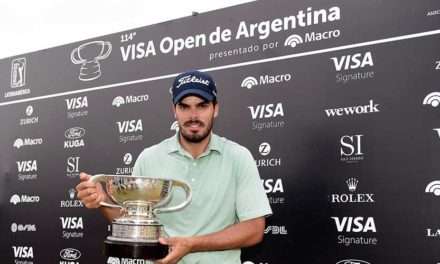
(337, 101)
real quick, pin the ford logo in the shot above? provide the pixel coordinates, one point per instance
(74, 133)
(352, 261)
(70, 254)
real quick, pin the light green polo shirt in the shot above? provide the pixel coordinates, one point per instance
(226, 189)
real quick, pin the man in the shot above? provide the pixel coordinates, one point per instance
(228, 207)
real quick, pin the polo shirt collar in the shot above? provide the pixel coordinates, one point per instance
(213, 145)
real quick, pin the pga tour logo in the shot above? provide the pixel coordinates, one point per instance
(18, 73)
(250, 81)
(18, 143)
(129, 99)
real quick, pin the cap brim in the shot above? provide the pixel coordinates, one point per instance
(196, 92)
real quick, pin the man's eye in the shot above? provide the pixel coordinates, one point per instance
(202, 106)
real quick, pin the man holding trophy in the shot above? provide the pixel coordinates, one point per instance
(220, 206)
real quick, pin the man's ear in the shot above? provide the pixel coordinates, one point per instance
(174, 111)
(216, 109)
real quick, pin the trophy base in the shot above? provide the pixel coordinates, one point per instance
(135, 250)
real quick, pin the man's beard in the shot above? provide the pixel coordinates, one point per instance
(194, 137)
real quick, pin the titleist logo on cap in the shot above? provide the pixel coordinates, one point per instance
(191, 79)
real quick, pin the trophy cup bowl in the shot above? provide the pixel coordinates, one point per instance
(136, 232)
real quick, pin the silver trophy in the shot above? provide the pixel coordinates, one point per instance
(135, 233)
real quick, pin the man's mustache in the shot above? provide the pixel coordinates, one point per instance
(193, 122)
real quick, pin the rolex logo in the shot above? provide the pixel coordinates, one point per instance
(352, 184)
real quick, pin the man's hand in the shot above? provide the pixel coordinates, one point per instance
(180, 246)
(89, 193)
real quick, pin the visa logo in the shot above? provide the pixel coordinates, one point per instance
(354, 61)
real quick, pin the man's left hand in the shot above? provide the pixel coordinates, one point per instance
(180, 246)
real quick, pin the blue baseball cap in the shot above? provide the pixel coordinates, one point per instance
(194, 83)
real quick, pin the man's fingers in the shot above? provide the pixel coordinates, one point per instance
(84, 176)
(163, 241)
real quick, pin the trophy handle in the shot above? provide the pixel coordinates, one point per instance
(188, 193)
(102, 178)
(73, 57)
(109, 49)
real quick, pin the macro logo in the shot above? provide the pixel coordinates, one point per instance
(175, 126)
(129, 99)
(76, 106)
(132, 127)
(293, 40)
(74, 136)
(71, 225)
(23, 252)
(118, 101)
(29, 120)
(356, 62)
(433, 187)
(261, 113)
(432, 99)
(437, 130)
(351, 197)
(273, 186)
(352, 261)
(18, 143)
(351, 149)
(16, 199)
(264, 150)
(250, 81)
(276, 230)
(70, 254)
(113, 260)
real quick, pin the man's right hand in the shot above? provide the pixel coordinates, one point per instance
(89, 193)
